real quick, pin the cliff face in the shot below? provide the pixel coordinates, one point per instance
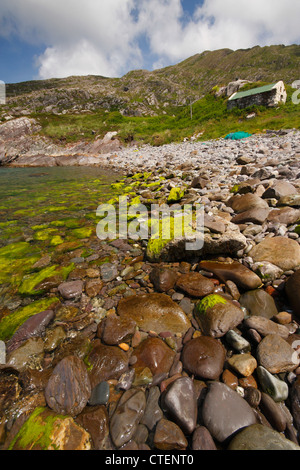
(141, 92)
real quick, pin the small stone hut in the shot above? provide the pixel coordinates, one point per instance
(268, 95)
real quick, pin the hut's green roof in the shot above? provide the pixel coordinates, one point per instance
(253, 91)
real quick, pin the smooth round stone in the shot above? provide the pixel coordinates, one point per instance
(127, 416)
(203, 357)
(114, 330)
(168, 436)
(259, 303)
(100, 394)
(270, 384)
(155, 354)
(224, 411)
(154, 312)
(276, 355)
(106, 362)
(259, 437)
(245, 202)
(281, 251)
(235, 272)
(71, 290)
(252, 396)
(180, 401)
(163, 279)
(195, 285)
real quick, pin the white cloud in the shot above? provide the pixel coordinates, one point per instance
(103, 37)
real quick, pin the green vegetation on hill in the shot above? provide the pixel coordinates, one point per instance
(155, 107)
(209, 119)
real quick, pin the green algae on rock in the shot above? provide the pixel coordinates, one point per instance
(209, 302)
(28, 286)
(176, 194)
(10, 323)
(45, 430)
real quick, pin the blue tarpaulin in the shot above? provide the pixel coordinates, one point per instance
(238, 135)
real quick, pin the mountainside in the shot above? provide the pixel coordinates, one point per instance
(144, 93)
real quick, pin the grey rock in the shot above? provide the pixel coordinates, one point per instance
(270, 384)
(224, 412)
(181, 403)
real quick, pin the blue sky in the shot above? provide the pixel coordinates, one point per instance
(50, 38)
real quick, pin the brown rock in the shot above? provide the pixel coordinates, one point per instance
(168, 436)
(276, 355)
(106, 362)
(154, 354)
(195, 285)
(68, 389)
(154, 312)
(163, 279)
(114, 330)
(94, 419)
(235, 272)
(281, 251)
(93, 287)
(203, 357)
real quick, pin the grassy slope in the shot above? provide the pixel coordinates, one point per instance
(210, 118)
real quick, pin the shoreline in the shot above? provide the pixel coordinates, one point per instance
(156, 340)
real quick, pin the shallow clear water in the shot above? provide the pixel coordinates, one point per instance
(46, 212)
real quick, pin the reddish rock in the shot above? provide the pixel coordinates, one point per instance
(154, 354)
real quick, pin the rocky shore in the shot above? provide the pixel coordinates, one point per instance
(146, 346)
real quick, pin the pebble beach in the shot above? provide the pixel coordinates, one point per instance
(153, 348)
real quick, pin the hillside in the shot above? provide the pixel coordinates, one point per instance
(155, 106)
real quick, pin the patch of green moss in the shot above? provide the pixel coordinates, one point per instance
(176, 194)
(208, 302)
(43, 235)
(28, 286)
(57, 240)
(36, 432)
(83, 232)
(235, 188)
(10, 323)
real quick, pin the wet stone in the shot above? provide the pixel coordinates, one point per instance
(99, 394)
(276, 355)
(163, 279)
(153, 412)
(168, 436)
(203, 357)
(71, 290)
(195, 285)
(224, 412)
(154, 354)
(105, 363)
(114, 330)
(259, 437)
(69, 388)
(109, 272)
(259, 303)
(127, 416)
(181, 403)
